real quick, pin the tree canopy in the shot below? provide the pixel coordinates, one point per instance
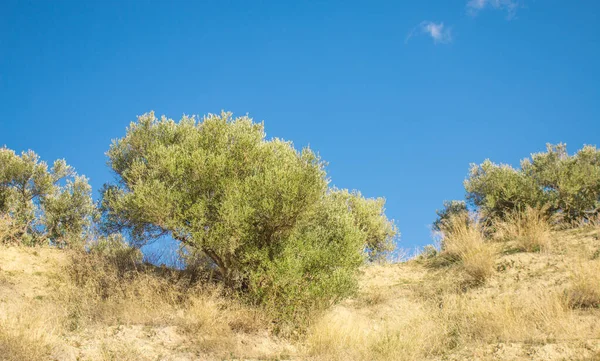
(568, 185)
(261, 211)
(45, 204)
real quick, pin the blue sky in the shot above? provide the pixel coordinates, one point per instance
(398, 96)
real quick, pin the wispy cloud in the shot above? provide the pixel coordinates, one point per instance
(510, 6)
(438, 31)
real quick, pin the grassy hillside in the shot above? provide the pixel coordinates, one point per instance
(523, 305)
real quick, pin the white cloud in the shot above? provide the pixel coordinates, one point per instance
(438, 32)
(510, 6)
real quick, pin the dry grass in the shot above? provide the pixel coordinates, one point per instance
(345, 334)
(28, 331)
(57, 307)
(529, 229)
(430, 329)
(464, 241)
(8, 230)
(110, 351)
(93, 310)
(418, 315)
(585, 289)
(109, 296)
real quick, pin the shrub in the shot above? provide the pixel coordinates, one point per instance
(451, 209)
(103, 274)
(259, 210)
(561, 184)
(100, 292)
(571, 183)
(496, 190)
(43, 204)
(428, 252)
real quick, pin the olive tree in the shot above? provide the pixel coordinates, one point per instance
(571, 183)
(452, 210)
(260, 210)
(559, 183)
(497, 189)
(44, 204)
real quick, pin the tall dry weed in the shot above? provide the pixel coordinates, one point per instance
(528, 317)
(530, 229)
(9, 232)
(584, 291)
(433, 328)
(29, 331)
(345, 335)
(110, 293)
(464, 241)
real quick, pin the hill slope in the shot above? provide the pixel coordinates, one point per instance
(534, 306)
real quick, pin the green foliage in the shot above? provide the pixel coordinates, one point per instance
(499, 189)
(41, 208)
(317, 265)
(571, 183)
(553, 180)
(451, 209)
(369, 217)
(260, 210)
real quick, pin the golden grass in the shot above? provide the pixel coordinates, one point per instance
(90, 296)
(110, 351)
(347, 335)
(107, 296)
(529, 229)
(432, 317)
(465, 242)
(57, 306)
(434, 328)
(8, 230)
(27, 331)
(585, 289)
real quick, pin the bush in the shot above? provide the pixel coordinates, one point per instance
(497, 190)
(106, 267)
(571, 183)
(451, 209)
(109, 285)
(428, 252)
(561, 184)
(259, 210)
(44, 205)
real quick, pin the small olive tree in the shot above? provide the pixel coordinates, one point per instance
(571, 184)
(44, 204)
(259, 210)
(552, 180)
(499, 189)
(452, 209)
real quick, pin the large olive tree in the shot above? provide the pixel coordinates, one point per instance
(261, 211)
